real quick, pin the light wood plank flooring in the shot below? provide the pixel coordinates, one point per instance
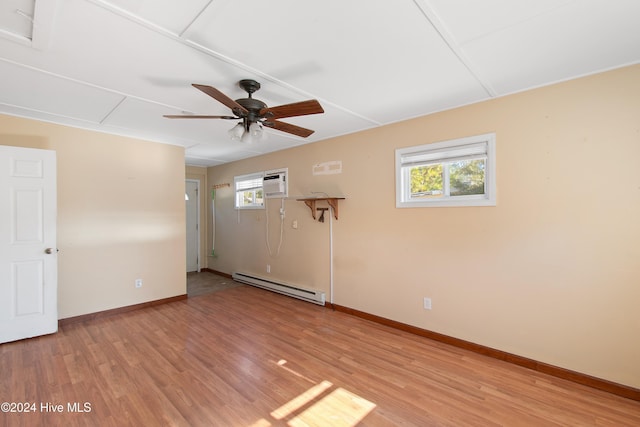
(248, 357)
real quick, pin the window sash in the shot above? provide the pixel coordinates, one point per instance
(446, 153)
(448, 160)
(247, 183)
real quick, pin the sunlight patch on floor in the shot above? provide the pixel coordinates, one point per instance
(261, 423)
(340, 408)
(322, 404)
(298, 402)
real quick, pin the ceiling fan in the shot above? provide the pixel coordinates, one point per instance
(253, 113)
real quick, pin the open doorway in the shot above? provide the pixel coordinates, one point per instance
(192, 201)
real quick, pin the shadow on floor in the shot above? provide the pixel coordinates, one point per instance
(205, 283)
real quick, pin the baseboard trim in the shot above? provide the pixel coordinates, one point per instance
(555, 371)
(119, 310)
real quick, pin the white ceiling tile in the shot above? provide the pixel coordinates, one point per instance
(147, 118)
(468, 20)
(16, 18)
(134, 59)
(201, 161)
(130, 61)
(31, 89)
(557, 46)
(174, 16)
(362, 58)
(223, 154)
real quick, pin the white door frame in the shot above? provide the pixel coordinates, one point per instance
(198, 225)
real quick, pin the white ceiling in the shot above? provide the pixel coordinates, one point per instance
(118, 66)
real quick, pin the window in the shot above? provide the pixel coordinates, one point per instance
(460, 172)
(249, 194)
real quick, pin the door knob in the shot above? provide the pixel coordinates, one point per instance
(51, 250)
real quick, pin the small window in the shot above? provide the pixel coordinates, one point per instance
(249, 193)
(460, 172)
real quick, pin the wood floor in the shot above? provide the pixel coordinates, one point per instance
(243, 356)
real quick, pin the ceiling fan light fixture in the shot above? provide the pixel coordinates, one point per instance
(255, 129)
(247, 135)
(247, 138)
(236, 133)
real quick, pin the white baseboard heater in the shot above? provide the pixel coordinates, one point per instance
(310, 295)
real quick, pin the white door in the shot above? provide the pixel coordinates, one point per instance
(28, 259)
(193, 220)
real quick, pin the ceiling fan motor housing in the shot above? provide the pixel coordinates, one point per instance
(253, 106)
(252, 111)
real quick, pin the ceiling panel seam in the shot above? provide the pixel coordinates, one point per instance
(29, 18)
(134, 18)
(88, 84)
(41, 25)
(43, 17)
(210, 52)
(198, 15)
(124, 98)
(15, 37)
(185, 41)
(437, 23)
(49, 113)
(515, 24)
(274, 80)
(78, 123)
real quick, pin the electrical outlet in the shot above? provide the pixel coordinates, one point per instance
(138, 283)
(427, 303)
(294, 224)
(268, 268)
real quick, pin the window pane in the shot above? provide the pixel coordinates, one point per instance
(458, 172)
(426, 181)
(466, 177)
(251, 198)
(247, 198)
(249, 191)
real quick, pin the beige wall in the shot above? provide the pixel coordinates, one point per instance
(120, 215)
(551, 273)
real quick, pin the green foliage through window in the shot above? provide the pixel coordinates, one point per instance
(458, 172)
(249, 191)
(426, 181)
(467, 177)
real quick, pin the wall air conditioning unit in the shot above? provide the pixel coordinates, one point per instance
(274, 184)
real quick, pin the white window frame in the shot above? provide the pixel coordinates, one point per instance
(442, 153)
(248, 182)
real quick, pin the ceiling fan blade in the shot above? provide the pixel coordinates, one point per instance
(302, 108)
(288, 127)
(170, 116)
(222, 98)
